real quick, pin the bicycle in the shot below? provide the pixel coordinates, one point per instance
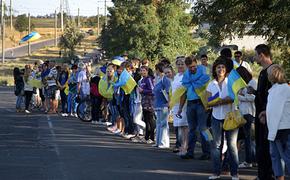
(84, 109)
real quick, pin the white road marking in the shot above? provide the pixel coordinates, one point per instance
(53, 134)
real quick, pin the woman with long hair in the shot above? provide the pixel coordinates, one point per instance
(28, 89)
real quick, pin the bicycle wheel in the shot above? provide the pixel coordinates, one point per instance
(84, 110)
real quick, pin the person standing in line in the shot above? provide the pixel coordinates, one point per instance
(161, 104)
(220, 108)
(19, 87)
(28, 89)
(145, 88)
(72, 92)
(194, 78)
(247, 109)
(263, 58)
(240, 62)
(278, 121)
(205, 64)
(180, 121)
(52, 87)
(96, 97)
(62, 82)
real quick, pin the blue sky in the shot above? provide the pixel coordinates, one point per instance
(43, 7)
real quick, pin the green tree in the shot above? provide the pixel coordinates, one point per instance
(147, 29)
(269, 18)
(71, 37)
(21, 23)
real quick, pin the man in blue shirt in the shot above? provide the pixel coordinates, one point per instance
(194, 78)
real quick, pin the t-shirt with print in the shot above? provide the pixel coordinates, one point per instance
(52, 76)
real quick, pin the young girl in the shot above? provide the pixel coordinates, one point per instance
(19, 88)
(146, 89)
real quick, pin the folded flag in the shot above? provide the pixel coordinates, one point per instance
(213, 99)
(235, 83)
(176, 95)
(201, 92)
(207, 135)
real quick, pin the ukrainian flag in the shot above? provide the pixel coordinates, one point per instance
(213, 99)
(30, 37)
(175, 97)
(106, 88)
(126, 82)
(235, 83)
(201, 92)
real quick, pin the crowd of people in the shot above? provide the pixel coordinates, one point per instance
(139, 102)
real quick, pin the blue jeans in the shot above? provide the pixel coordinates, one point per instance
(280, 155)
(114, 112)
(217, 146)
(19, 101)
(197, 122)
(71, 103)
(126, 114)
(250, 147)
(162, 128)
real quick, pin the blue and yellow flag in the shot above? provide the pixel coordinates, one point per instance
(126, 82)
(213, 99)
(201, 92)
(175, 97)
(106, 88)
(235, 83)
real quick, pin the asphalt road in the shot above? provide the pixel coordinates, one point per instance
(49, 147)
(21, 51)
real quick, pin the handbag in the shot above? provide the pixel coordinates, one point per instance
(233, 120)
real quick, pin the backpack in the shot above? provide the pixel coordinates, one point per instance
(94, 89)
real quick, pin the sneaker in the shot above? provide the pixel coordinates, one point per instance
(112, 128)
(245, 165)
(235, 178)
(163, 147)
(149, 141)
(27, 112)
(204, 157)
(64, 114)
(187, 156)
(117, 131)
(214, 177)
(107, 123)
(129, 136)
(136, 139)
(75, 115)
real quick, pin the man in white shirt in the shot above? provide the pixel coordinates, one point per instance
(238, 61)
(83, 81)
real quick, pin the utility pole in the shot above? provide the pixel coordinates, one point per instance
(55, 28)
(61, 14)
(3, 30)
(106, 21)
(98, 21)
(78, 17)
(29, 24)
(11, 20)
